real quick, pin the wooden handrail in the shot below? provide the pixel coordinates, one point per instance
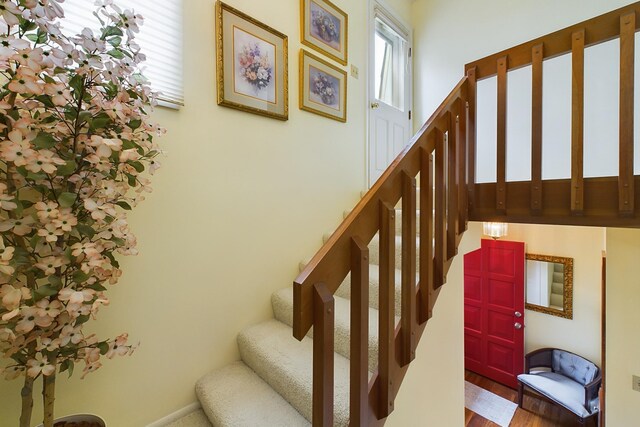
(597, 30)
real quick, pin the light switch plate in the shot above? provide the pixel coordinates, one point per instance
(354, 71)
(636, 383)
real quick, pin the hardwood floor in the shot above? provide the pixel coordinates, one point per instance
(537, 411)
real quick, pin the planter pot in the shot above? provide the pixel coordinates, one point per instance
(79, 420)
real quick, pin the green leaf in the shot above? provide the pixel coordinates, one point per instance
(67, 365)
(67, 200)
(139, 167)
(55, 281)
(116, 53)
(82, 319)
(44, 291)
(132, 180)
(135, 124)
(68, 168)
(104, 347)
(34, 241)
(36, 176)
(111, 31)
(46, 100)
(100, 123)
(77, 83)
(22, 171)
(118, 241)
(124, 205)
(97, 287)
(44, 141)
(86, 230)
(115, 41)
(80, 277)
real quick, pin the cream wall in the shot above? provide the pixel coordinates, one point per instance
(581, 334)
(432, 393)
(623, 316)
(240, 200)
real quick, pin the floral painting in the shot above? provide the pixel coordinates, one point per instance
(323, 88)
(251, 64)
(325, 26)
(254, 66)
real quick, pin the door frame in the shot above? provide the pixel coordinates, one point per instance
(392, 18)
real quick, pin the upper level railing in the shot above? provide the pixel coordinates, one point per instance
(604, 201)
(438, 154)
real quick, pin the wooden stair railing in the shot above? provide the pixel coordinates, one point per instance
(601, 201)
(438, 154)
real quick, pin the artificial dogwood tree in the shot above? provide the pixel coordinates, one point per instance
(75, 143)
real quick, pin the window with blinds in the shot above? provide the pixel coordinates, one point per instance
(160, 39)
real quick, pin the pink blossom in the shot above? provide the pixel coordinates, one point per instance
(40, 365)
(17, 149)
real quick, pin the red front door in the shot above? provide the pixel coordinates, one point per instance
(494, 310)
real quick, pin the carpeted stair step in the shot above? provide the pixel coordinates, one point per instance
(282, 302)
(557, 288)
(235, 396)
(556, 300)
(286, 364)
(196, 418)
(398, 222)
(374, 251)
(344, 290)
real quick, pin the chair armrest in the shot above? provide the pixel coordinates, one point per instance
(538, 358)
(591, 390)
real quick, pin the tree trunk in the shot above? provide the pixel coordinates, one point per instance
(27, 402)
(48, 393)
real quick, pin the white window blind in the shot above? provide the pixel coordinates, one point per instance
(160, 39)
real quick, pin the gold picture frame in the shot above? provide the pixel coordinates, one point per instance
(325, 28)
(251, 64)
(567, 263)
(323, 87)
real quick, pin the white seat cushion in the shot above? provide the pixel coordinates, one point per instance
(558, 388)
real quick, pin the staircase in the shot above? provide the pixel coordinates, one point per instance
(343, 338)
(556, 296)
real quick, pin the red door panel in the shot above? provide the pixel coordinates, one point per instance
(494, 294)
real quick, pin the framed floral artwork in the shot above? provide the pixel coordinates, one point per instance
(323, 87)
(252, 73)
(324, 28)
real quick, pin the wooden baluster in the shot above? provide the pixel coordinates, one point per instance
(426, 231)
(323, 323)
(359, 354)
(440, 214)
(577, 124)
(627, 55)
(452, 186)
(462, 166)
(537, 54)
(408, 318)
(471, 138)
(386, 313)
(501, 186)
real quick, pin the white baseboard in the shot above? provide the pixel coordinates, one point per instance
(176, 415)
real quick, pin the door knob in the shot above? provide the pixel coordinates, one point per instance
(375, 105)
(518, 325)
(518, 314)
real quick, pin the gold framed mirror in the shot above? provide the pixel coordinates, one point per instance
(549, 285)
